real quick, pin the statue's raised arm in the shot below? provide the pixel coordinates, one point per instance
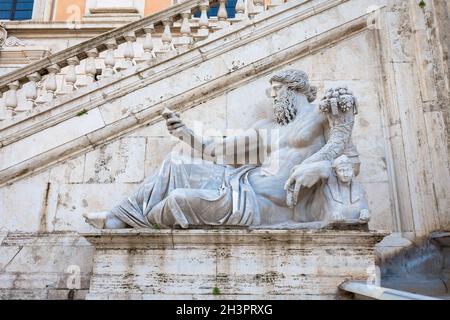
(212, 148)
(339, 105)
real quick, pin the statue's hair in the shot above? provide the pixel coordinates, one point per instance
(296, 80)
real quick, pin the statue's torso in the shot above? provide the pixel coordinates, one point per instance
(293, 143)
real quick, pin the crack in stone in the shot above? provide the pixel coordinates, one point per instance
(11, 260)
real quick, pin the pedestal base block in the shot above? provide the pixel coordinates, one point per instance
(228, 264)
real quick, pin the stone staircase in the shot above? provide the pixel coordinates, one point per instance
(158, 37)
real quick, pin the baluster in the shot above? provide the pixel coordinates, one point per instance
(186, 34)
(110, 61)
(222, 15)
(148, 43)
(90, 69)
(11, 98)
(50, 86)
(203, 22)
(71, 76)
(31, 93)
(240, 10)
(166, 36)
(128, 53)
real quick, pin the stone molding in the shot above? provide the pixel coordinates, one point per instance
(171, 238)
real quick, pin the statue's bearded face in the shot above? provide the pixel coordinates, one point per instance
(284, 103)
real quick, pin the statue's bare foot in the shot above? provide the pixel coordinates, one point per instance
(96, 219)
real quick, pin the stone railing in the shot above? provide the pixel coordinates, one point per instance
(168, 32)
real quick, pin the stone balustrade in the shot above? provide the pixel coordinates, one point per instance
(169, 32)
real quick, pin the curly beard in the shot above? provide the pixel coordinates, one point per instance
(285, 107)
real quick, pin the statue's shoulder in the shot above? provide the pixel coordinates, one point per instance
(318, 114)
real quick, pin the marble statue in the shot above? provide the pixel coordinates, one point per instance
(344, 197)
(284, 188)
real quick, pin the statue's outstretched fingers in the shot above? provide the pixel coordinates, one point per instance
(171, 121)
(298, 186)
(289, 199)
(175, 126)
(288, 184)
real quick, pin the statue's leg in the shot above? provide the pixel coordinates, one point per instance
(191, 207)
(112, 222)
(130, 211)
(173, 174)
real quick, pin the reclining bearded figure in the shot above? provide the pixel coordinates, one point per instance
(285, 189)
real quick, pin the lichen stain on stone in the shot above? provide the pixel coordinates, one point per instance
(364, 123)
(102, 171)
(85, 203)
(269, 277)
(222, 278)
(43, 214)
(163, 278)
(36, 257)
(66, 201)
(223, 254)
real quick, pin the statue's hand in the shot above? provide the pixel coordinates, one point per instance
(173, 122)
(364, 215)
(305, 175)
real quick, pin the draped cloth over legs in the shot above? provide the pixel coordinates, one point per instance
(186, 194)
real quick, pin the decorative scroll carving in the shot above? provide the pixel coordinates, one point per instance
(6, 41)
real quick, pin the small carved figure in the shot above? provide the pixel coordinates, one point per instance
(345, 200)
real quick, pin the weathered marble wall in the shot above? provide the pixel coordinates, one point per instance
(100, 178)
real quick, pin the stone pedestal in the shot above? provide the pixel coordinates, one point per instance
(228, 264)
